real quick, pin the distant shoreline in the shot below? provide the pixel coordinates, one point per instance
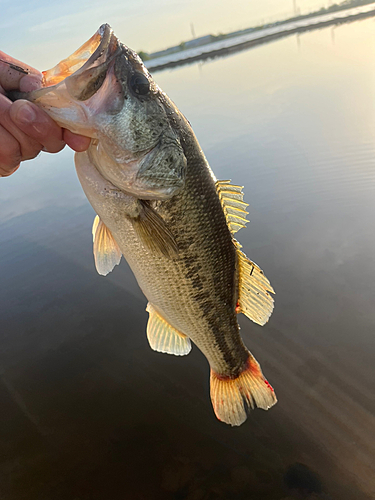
(153, 65)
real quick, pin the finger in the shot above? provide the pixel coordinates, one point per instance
(37, 125)
(29, 147)
(10, 153)
(8, 173)
(26, 84)
(77, 142)
(30, 82)
(11, 79)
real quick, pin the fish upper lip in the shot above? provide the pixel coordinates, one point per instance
(103, 43)
(107, 35)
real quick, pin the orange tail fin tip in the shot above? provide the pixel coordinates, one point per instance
(232, 398)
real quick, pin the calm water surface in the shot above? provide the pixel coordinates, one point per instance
(88, 411)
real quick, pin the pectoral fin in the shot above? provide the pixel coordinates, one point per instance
(106, 251)
(154, 232)
(254, 300)
(163, 337)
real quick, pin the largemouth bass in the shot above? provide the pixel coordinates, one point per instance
(160, 206)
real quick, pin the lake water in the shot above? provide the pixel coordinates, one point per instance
(88, 411)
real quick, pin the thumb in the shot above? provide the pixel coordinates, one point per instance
(35, 123)
(11, 78)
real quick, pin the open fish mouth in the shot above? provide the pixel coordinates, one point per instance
(99, 49)
(83, 72)
(88, 73)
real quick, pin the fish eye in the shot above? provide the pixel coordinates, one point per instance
(139, 84)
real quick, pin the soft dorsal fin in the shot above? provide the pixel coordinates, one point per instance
(106, 251)
(254, 300)
(234, 207)
(163, 337)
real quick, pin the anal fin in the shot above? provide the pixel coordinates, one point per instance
(163, 337)
(107, 253)
(232, 398)
(254, 299)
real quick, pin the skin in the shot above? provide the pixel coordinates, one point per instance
(25, 129)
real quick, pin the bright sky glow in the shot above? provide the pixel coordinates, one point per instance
(42, 32)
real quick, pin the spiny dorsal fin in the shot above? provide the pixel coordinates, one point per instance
(163, 337)
(234, 207)
(254, 300)
(106, 251)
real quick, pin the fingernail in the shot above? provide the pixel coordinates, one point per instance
(25, 114)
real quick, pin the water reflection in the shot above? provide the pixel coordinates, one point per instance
(89, 412)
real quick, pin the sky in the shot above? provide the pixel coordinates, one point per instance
(42, 33)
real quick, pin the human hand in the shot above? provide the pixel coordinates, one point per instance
(25, 129)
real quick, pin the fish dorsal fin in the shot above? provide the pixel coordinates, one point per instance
(163, 337)
(234, 207)
(106, 251)
(254, 300)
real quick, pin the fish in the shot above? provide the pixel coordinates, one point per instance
(159, 205)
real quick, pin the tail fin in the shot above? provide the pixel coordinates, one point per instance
(232, 398)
